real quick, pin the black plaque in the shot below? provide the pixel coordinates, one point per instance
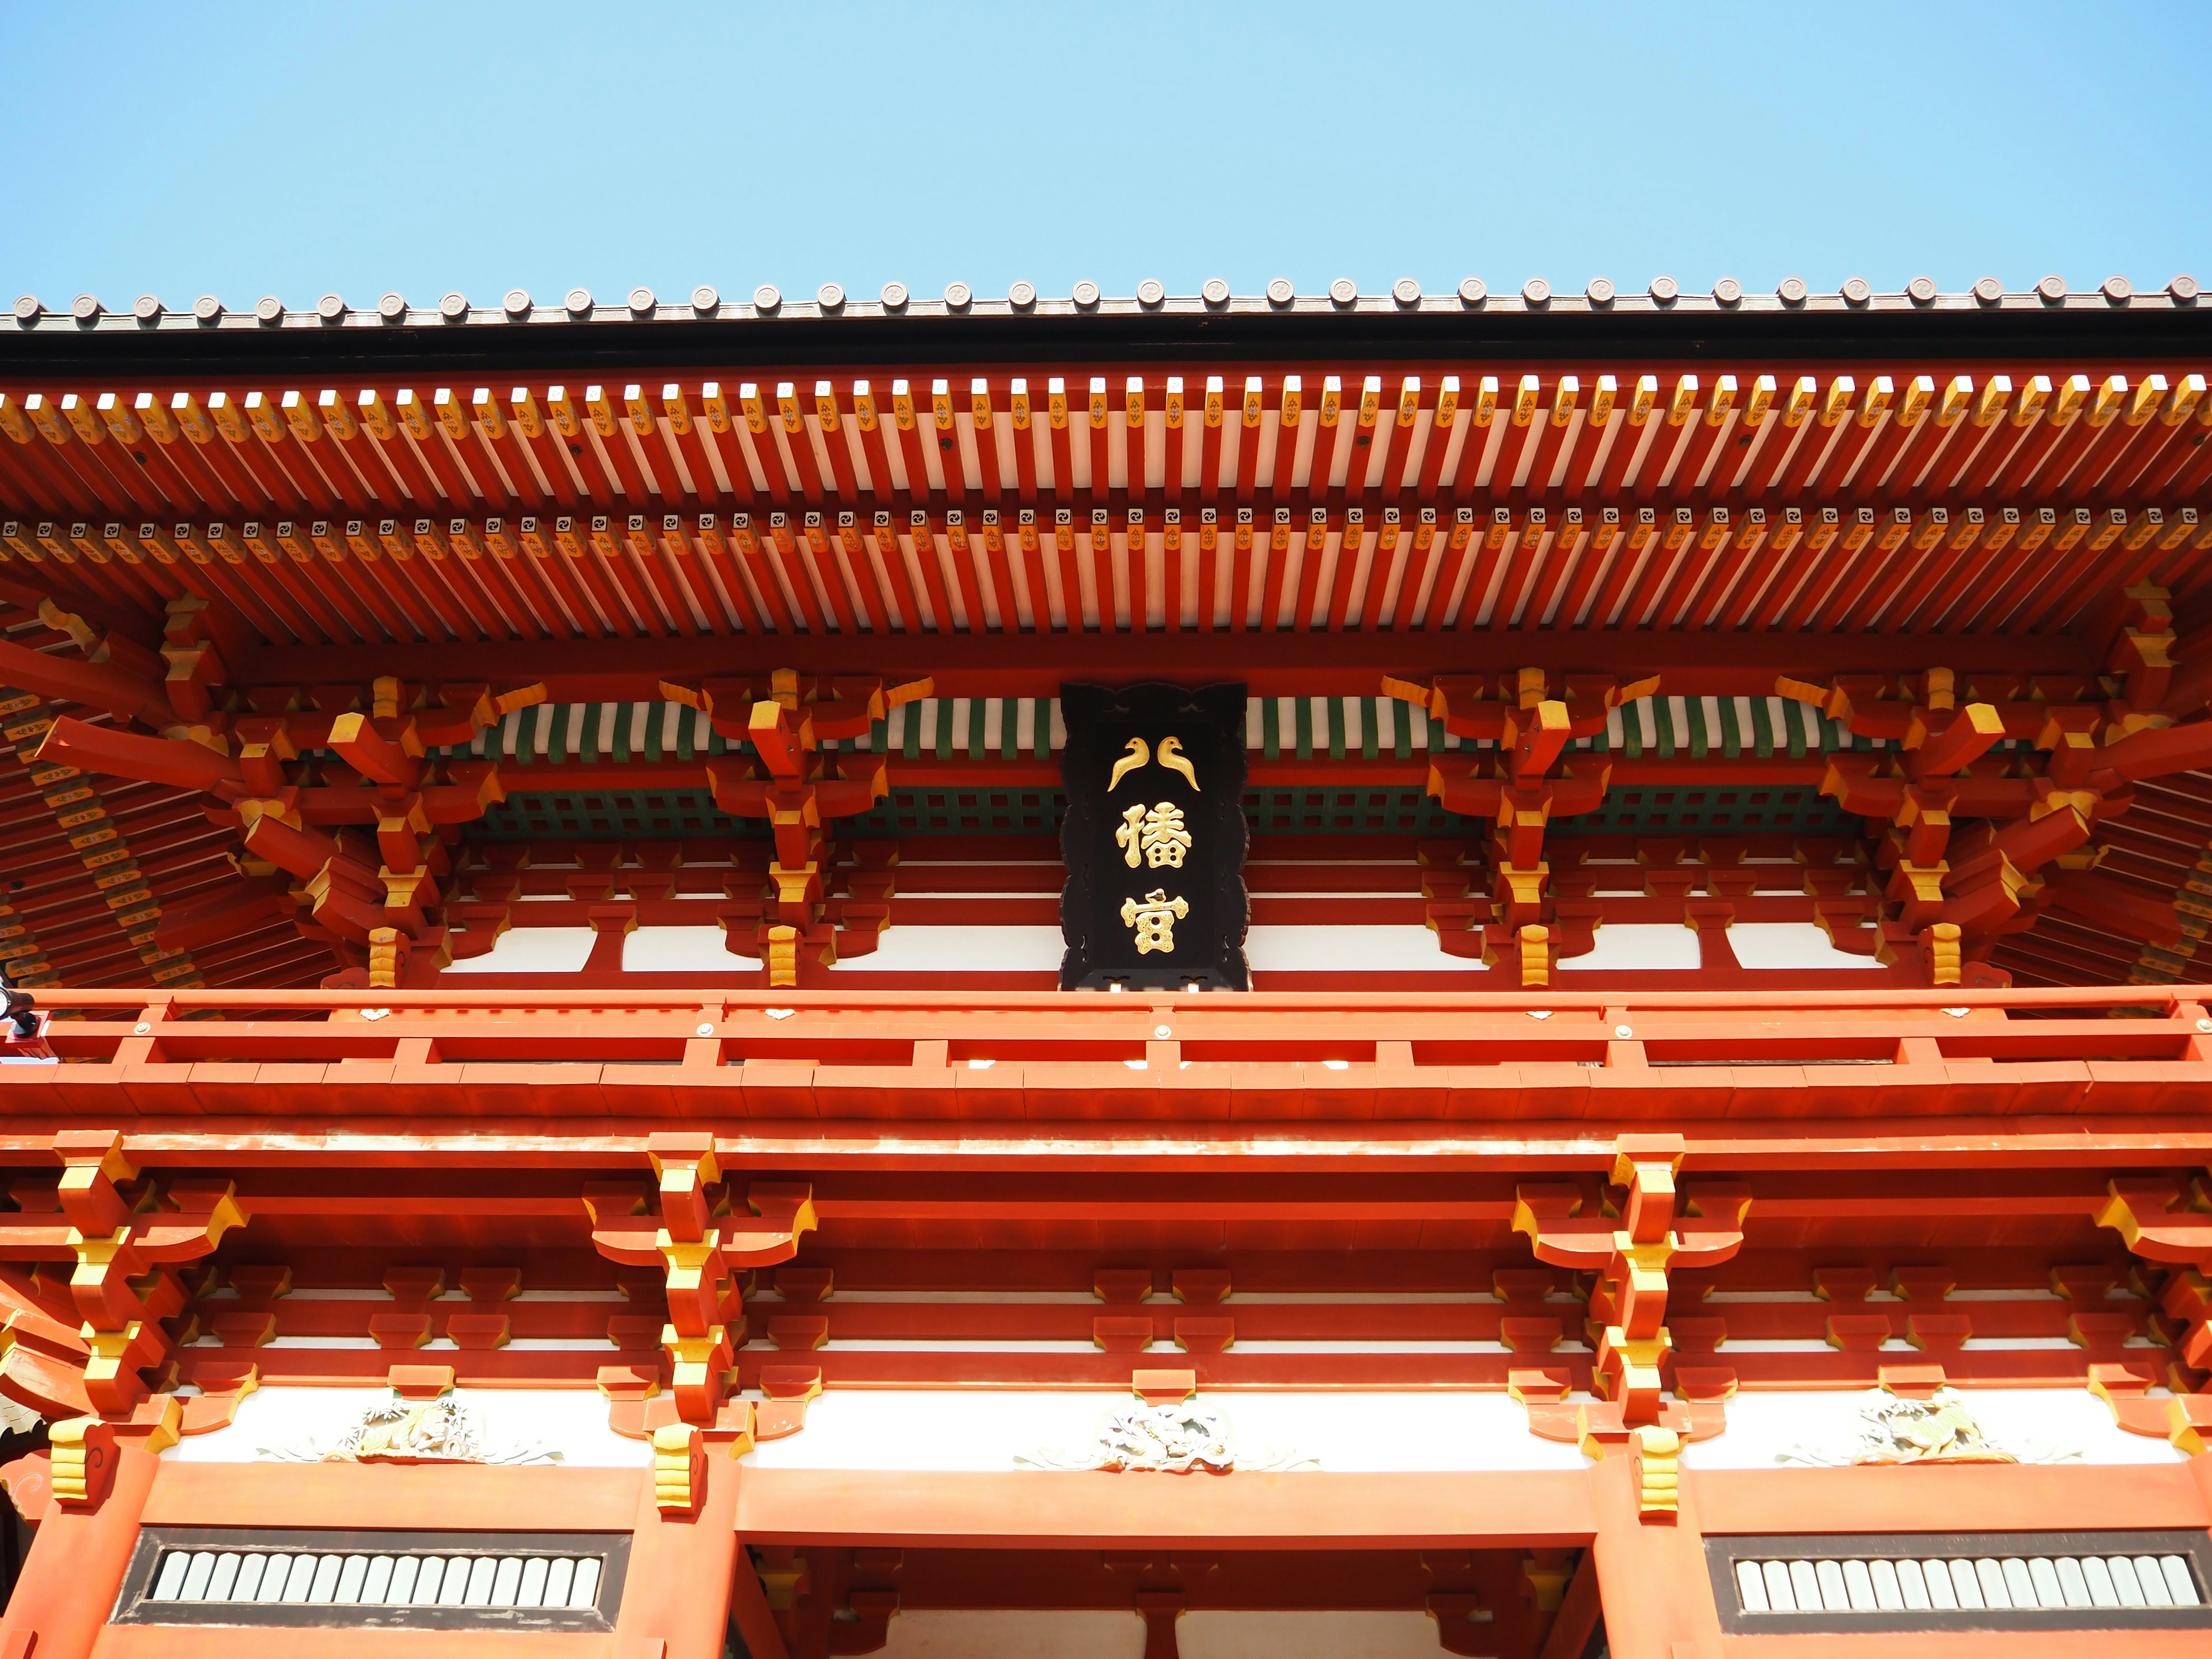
(1154, 837)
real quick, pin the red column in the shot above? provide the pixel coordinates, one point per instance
(1651, 1576)
(75, 1569)
(681, 1565)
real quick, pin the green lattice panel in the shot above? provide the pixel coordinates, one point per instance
(667, 814)
(1733, 809)
(1301, 810)
(1311, 811)
(968, 811)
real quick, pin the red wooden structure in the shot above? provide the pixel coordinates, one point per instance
(539, 1118)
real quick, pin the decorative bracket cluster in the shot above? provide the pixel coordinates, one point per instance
(2167, 1223)
(1657, 1230)
(1976, 841)
(800, 789)
(97, 1357)
(1527, 781)
(702, 1241)
(301, 772)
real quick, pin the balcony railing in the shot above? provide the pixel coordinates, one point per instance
(1053, 1056)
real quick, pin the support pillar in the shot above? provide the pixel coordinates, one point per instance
(75, 1569)
(682, 1568)
(1651, 1577)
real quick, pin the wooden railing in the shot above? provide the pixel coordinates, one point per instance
(909, 1055)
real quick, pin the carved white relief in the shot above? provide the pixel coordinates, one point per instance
(402, 1430)
(1173, 1439)
(1938, 1430)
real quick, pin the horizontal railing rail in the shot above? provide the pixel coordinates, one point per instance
(1887, 1050)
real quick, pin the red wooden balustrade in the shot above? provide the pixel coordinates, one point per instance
(1674, 1056)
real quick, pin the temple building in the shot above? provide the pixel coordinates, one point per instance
(1317, 976)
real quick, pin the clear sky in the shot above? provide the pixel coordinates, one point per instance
(300, 148)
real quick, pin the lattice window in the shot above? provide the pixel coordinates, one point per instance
(1962, 1581)
(380, 1580)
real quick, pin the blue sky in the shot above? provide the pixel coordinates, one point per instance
(296, 149)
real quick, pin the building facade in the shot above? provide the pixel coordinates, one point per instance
(1339, 975)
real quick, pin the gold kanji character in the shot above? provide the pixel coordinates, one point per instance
(1157, 834)
(1154, 919)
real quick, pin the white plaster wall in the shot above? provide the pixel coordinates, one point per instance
(1355, 948)
(910, 949)
(963, 1633)
(960, 1633)
(1771, 944)
(1762, 1424)
(1638, 947)
(570, 1421)
(1339, 1635)
(985, 1428)
(683, 951)
(533, 951)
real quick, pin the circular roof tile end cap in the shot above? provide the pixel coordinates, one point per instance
(1535, 292)
(829, 297)
(2182, 290)
(1407, 292)
(1472, 291)
(1151, 293)
(1281, 293)
(958, 296)
(148, 309)
(207, 310)
(392, 307)
(1343, 292)
(86, 308)
(578, 303)
(706, 301)
(1021, 296)
(517, 304)
(454, 308)
(1215, 292)
(2051, 291)
(28, 308)
(2117, 290)
(894, 296)
(1922, 290)
(1728, 291)
(1086, 295)
(1665, 290)
(1989, 291)
(768, 299)
(642, 304)
(1599, 290)
(331, 308)
(1857, 291)
(269, 311)
(1792, 291)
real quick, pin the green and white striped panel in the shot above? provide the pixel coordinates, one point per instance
(1014, 728)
